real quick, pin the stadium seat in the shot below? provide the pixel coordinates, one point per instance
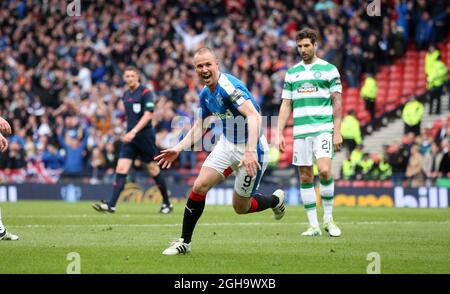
(359, 184)
(386, 184)
(390, 107)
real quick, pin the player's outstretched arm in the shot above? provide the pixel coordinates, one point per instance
(283, 117)
(168, 156)
(3, 143)
(5, 128)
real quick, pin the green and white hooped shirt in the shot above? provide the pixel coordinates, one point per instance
(310, 86)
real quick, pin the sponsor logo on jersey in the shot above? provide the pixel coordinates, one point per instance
(307, 88)
(223, 115)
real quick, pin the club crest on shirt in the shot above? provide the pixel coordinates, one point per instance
(136, 107)
(219, 99)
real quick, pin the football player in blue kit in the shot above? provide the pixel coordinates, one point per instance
(242, 148)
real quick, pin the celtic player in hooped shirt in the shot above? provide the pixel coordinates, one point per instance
(312, 91)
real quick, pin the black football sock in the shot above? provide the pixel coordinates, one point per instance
(261, 202)
(192, 212)
(161, 183)
(118, 185)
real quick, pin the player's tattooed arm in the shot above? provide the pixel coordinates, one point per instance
(337, 117)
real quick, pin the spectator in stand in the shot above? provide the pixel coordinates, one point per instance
(424, 31)
(424, 141)
(75, 150)
(348, 168)
(351, 131)
(414, 173)
(401, 8)
(191, 40)
(111, 155)
(412, 115)
(364, 168)
(353, 67)
(398, 159)
(371, 55)
(430, 58)
(52, 159)
(369, 93)
(442, 133)
(97, 162)
(324, 5)
(15, 157)
(356, 155)
(432, 162)
(436, 79)
(444, 168)
(102, 119)
(384, 166)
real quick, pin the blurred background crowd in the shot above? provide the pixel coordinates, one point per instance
(61, 76)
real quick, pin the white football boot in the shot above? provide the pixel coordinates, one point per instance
(332, 229)
(7, 236)
(312, 232)
(278, 211)
(178, 247)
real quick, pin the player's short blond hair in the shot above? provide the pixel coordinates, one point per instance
(204, 50)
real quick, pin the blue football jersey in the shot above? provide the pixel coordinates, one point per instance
(229, 94)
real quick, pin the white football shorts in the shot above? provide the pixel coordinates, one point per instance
(319, 146)
(225, 159)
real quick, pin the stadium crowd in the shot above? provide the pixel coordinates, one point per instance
(61, 76)
(415, 160)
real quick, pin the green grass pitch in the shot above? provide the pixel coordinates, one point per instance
(131, 241)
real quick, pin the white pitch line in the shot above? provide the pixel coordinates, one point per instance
(228, 224)
(149, 225)
(157, 215)
(62, 216)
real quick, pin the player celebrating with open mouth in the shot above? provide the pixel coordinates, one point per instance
(242, 149)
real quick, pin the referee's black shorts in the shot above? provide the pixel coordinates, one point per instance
(143, 145)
